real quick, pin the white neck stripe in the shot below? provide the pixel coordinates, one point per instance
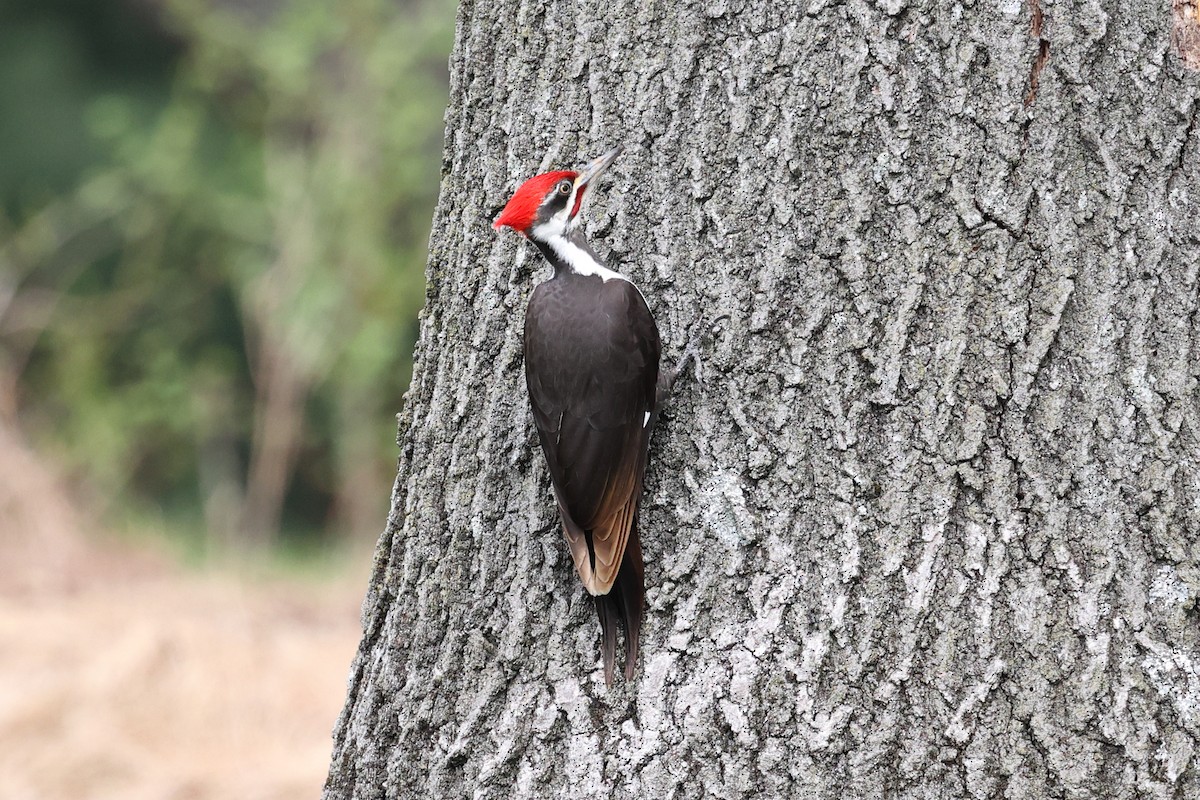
(580, 261)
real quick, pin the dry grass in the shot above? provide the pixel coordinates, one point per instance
(123, 676)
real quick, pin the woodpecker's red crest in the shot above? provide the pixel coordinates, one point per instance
(521, 212)
(548, 205)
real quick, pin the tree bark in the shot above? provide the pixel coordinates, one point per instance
(928, 528)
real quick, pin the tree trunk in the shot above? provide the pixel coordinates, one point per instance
(928, 528)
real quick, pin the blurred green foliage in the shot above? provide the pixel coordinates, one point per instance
(212, 244)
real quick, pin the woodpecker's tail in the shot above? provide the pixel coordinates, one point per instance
(625, 601)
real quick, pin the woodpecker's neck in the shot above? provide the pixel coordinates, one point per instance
(571, 255)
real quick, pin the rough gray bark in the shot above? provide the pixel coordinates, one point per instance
(929, 528)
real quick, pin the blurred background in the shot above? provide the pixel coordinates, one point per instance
(213, 223)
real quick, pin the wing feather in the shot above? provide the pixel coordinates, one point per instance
(592, 370)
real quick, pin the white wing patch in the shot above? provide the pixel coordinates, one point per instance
(646, 421)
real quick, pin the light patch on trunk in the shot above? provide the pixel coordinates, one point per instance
(723, 505)
(1185, 32)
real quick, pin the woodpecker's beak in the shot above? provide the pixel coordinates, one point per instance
(596, 168)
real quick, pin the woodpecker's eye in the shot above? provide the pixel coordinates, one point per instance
(564, 187)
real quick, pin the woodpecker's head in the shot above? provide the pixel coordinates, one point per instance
(548, 206)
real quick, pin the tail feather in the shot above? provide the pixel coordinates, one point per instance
(625, 601)
(606, 608)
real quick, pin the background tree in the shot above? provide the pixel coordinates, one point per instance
(213, 219)
(929, 528)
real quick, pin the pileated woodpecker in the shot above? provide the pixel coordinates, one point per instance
(591, 365)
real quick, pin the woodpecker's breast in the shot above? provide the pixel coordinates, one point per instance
(582, 328)
(591, 354)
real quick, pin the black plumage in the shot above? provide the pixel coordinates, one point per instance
(591, 363)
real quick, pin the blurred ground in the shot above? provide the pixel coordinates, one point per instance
(123, 675)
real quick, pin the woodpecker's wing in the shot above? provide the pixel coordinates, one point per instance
(591, 364)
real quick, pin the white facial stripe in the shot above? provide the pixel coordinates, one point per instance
(580, 260)
(561, 223)
(545, 231)
(555, 226)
